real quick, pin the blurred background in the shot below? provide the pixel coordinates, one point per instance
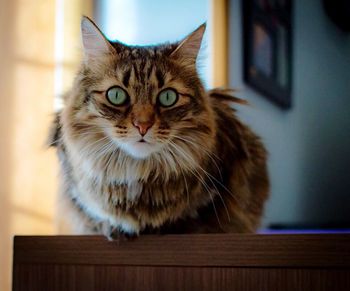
(309, 144)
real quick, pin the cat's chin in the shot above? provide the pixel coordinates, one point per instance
(140, 149)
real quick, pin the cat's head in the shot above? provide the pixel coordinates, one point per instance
(146, 101)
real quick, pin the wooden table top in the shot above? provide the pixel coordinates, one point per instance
(231, 250)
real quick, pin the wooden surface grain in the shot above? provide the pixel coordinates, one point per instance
(147, 278)
(183, 262)
(234, 250)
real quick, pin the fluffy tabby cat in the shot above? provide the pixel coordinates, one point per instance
(143, 148)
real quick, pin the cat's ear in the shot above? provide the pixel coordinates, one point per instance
(188, 48)
(94, 42)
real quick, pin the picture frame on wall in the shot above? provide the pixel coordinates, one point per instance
(267, 47)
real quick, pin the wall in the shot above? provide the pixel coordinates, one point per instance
(29, 61)
(309, 145)
(27, 172)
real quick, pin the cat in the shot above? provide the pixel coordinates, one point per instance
(143, 148)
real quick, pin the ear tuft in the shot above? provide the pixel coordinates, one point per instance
(94, 42)
(189, 47)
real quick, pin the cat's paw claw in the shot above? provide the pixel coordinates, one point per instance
(118, 235)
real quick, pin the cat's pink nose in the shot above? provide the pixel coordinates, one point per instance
(143, 127)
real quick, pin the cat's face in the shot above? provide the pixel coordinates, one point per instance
(145, 100)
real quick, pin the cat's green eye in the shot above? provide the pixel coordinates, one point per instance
(117, 96)
(167, 97)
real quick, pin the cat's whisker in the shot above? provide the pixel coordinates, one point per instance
(84, 134)
(200, 178)
(199, 146)
(209, 177)
(220, 183)
(205, 185)
(111, 157)
(103, 150)
(90, 145)
(183, 175)
(209, 192)
(202, 148)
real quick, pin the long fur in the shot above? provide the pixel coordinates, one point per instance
(205, 171)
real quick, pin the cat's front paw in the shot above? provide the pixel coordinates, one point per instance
(120, 235)
(113, 233)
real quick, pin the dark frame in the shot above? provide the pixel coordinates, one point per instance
(268, 18)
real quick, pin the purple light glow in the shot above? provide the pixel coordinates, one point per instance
(302, 231)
